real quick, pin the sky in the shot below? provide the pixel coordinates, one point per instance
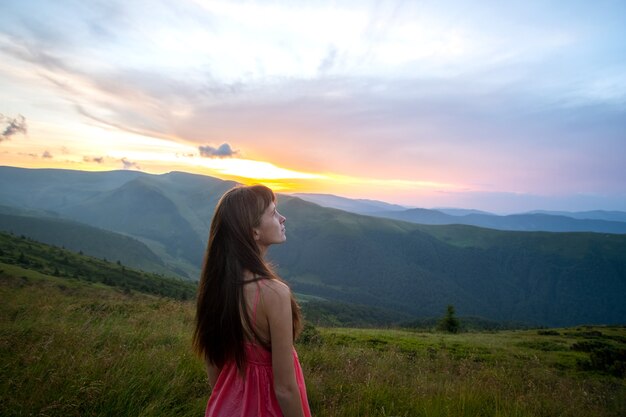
(499, 106)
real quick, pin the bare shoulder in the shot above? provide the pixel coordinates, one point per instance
(274, 290)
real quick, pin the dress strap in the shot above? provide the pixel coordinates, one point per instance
(257, 296)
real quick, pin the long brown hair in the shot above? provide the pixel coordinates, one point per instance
(221, 313)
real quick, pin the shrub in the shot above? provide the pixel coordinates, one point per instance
(310, 335)
(449, 323)
(607, 359)
(548, 333)
(589, 346)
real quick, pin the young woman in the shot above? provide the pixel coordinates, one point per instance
(247, 317)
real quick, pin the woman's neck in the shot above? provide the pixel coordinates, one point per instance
(263, 250)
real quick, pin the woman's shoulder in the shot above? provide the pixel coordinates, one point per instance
(274, 288)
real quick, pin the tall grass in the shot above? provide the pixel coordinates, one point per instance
(366, 382)
(78, 349)
(70, 349)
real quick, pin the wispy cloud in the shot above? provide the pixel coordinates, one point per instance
(14, 125)
(126, 164)
(416, 91)
(96, 159)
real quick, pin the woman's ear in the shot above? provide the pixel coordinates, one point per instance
(255, 233)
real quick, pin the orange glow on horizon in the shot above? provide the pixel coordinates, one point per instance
(291, 181)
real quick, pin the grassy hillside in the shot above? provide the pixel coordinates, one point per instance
(88, 240)
(49, 260)
(27, 253)
(72, 347)
(338, 314)
(550, 279)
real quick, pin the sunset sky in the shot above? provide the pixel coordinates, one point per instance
(500, 106)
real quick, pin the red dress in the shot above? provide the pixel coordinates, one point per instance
(251, 395)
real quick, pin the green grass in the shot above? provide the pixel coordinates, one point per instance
(51, 260)
(76, 348)
(73, 348)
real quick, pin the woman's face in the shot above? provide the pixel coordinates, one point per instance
(271, 228)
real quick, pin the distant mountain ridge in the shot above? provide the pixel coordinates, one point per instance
(613, 216)
(539, 220)
(460, 211)
(395, 266)
(360, 206)
(514, 222)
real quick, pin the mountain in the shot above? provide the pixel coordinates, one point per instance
(533, 277)
(88, 240)
(170, 213)
(460, 212)
(396, 267)
(518, 222)
(590, 221)
(613, 216)
(361, 206)
(27, 254)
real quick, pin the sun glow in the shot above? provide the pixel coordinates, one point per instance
(258, 170)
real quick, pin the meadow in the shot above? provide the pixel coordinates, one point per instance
(75, 348)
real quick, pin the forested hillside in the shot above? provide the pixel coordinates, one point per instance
(49, 260)
(89, 240)
(400, 268)
(535, 277)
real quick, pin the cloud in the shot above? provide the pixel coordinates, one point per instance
(96, 159)
(129, 164)
(13, 126)
(329, 61)
(47, 155)
(138, 131)
(223, 151)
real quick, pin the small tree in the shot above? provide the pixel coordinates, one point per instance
(449, 323)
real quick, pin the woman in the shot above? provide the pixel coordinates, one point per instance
(247, 317)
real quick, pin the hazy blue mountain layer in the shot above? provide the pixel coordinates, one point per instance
(538, 220)
(517, 222)
(360, 206)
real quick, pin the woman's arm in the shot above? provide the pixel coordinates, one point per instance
(277, 303)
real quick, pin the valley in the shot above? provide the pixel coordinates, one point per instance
(75, 347)
(400, 270)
